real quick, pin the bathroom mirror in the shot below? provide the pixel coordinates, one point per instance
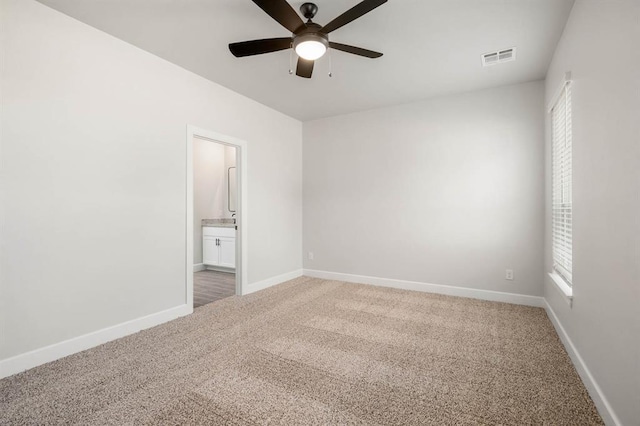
(232, 189)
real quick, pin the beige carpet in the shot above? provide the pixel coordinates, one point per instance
(317, 352)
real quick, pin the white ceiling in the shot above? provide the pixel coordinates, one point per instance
(431, 47)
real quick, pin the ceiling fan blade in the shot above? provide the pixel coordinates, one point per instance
(355, 50)
(258, 47)
(352, 14)
(282, 12)
(304, 68)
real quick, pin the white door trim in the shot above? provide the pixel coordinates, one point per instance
(241, 216)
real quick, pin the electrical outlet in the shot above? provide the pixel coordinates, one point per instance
(509, 274)
(310, 255)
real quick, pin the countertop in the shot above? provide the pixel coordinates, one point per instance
(220, 223)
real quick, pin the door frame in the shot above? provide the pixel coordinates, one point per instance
(241, 207)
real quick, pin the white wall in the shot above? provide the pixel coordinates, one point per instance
(445, 191)
(600, 46)
(94, 177)
(210, 189)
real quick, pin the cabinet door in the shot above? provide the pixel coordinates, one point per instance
(227, 252)
(210, 251)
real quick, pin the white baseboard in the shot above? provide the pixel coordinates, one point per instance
(202, 267)
(270, 282)
(56, 351)
(219, 269)
(602, 404)
(495, 296)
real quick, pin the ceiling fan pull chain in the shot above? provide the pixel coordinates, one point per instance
(291, 62)
(330, 63)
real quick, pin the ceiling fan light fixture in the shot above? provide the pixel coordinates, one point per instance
(310, 46)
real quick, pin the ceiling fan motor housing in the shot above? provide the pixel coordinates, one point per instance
(311, 32)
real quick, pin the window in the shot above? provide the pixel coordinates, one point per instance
(561, 219)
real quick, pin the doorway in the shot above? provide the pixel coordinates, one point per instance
(215, 232)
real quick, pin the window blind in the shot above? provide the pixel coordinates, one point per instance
(561, 221)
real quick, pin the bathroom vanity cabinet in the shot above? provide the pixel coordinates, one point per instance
(219, 247)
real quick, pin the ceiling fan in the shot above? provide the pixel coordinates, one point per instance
(309, 40)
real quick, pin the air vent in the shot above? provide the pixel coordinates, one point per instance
(498, 57)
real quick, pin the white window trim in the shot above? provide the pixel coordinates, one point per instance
(567, 80)
(561, 284)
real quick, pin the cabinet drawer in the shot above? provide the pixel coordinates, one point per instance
(210, 231)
